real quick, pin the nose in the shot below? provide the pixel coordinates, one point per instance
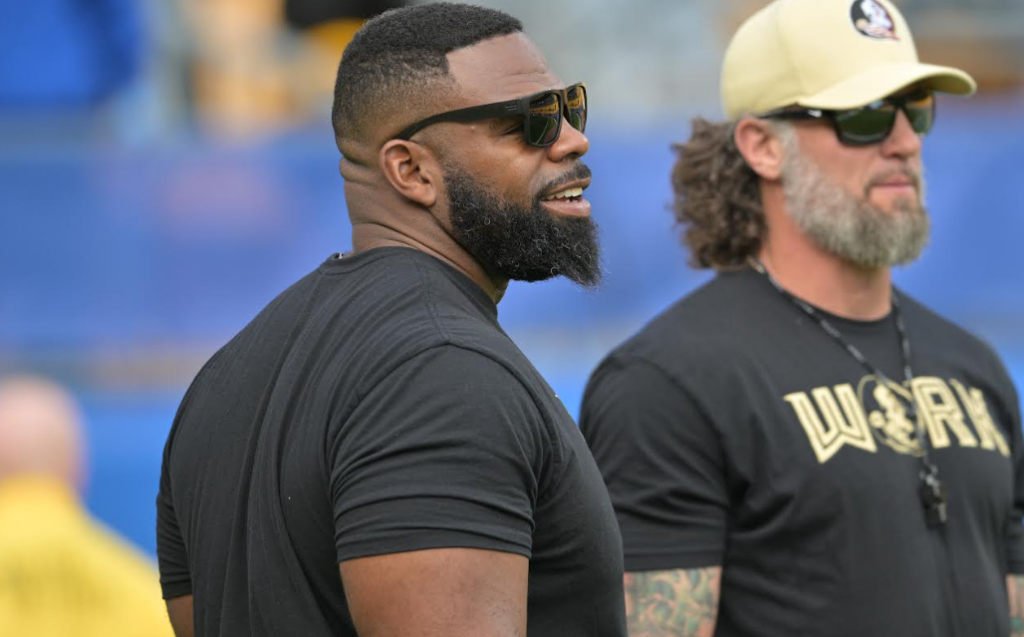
(903, 141)
(571, 144)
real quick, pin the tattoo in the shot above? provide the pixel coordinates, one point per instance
(679, 603)
(1015, 590)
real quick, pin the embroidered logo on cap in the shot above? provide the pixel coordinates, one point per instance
(873, 20)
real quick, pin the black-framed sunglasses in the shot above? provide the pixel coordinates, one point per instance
(873, 123)
(542, 114)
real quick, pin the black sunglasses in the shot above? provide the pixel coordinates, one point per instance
(873, 123)
(542, 114)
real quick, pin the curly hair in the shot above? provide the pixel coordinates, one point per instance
(717, 198)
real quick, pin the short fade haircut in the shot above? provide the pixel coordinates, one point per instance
(398, 53)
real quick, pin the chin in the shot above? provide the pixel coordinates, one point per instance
(897, 205)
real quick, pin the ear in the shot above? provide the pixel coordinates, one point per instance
(412, 170)
(760, 147)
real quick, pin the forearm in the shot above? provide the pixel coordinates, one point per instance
(1015, 590)
(179, 610)
(676, 603)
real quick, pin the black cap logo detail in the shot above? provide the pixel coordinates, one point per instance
(873, 20)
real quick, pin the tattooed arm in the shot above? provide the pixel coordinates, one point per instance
(678, 603)
(1015, 589)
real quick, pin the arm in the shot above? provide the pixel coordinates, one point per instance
(175, 577)
(663, 465)
(1015, 589)
(179, 609)
(1014, 530)
(438, 593)
(434, 479)
(680, 603)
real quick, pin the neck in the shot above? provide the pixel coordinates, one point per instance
(826, 281)
(371, 231)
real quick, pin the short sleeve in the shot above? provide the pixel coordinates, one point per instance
(172, 556)
(446, 451)
(662, 462)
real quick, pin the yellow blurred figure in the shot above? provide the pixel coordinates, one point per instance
(62, 574)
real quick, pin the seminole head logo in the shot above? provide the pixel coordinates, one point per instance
(873, 20)
(887, 407)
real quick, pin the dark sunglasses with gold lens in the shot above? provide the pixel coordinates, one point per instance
(542, 114)
(873, 123)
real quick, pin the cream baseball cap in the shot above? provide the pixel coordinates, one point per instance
(827, 54)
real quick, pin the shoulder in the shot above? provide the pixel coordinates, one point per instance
(335, 334)
(452, 384)
(446, 397)
(949, 348)
(692, 337)
(404, 293)
(461, 368)
(381, 311)
(674, 370)
(934, 331)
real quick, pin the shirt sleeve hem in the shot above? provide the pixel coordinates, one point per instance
(176, 589)
(369, 547)
(671, 561)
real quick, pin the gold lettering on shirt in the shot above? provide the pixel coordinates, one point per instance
(845, 425)
(879, 413)
(941, 413)
(974, 402)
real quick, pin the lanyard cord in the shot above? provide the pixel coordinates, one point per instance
(931, 491)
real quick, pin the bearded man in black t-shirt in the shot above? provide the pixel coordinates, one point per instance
(372, 454)
(798, 448)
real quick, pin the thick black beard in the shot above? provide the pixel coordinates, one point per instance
(519, 243)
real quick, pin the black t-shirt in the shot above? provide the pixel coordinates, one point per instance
(733, 431)
(377, 407)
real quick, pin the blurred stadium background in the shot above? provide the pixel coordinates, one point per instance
(167, 167)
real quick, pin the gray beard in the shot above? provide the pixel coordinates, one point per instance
(845, 225)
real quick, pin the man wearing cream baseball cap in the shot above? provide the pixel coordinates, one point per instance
(827, 55)
(798, 447)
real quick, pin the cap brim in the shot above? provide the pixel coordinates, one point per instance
(880, 81)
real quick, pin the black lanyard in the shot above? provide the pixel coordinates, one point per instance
(931, 491)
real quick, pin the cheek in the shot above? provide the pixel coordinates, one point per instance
(858, 184)
(848, 167)
(852, 175)
(516, 178)
(847, 176)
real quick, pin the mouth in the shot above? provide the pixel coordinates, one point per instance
(898, 189)
(896, 183)
(568, 200)
(570, 192)
(898, 180)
